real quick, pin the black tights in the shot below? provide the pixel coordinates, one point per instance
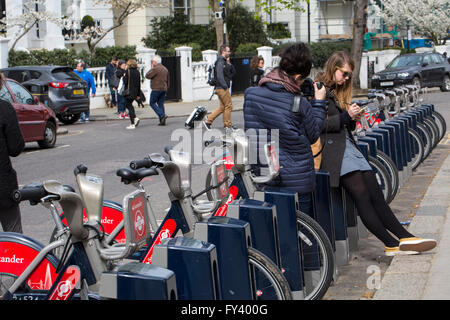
(373, 210)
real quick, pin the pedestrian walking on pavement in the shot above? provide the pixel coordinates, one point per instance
(113, 80)
(348, 168)
(132, 88)
(160, 81)
(121, 101)
(11, 145)
(90, 82)
(223, 75)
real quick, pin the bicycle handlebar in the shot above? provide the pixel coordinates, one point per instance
(144, 163)
(33, 192)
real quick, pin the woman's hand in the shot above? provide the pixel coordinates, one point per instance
(354, 111)
(319, 94)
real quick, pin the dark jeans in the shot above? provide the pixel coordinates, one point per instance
(10, 219)
(113, 96)
(157, 103)
(121, 103)
(131, 111)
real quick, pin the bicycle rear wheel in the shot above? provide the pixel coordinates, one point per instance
(270, 282)
(318, 256)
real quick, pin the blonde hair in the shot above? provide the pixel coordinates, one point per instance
(132, 63)
(342, 93)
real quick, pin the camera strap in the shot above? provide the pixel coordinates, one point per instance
(295, 108)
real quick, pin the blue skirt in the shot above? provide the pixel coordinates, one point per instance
(353, 159)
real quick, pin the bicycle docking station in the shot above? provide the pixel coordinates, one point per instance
(195, 264)
(324, 209)
(232, 239)
(139, 281)
(286, 203)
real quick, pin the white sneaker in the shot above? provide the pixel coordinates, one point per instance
(136, 121)
(131, 126)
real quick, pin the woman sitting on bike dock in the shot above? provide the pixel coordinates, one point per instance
(347, 166)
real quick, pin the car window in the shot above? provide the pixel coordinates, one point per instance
(5, 95)
(427, 59)
(22, 95)
(18, 75)
(64, 74)
(405, 61)
(436, 59)
(35, 74)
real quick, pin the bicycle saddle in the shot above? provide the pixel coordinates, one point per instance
(129, 175)
(362, 102)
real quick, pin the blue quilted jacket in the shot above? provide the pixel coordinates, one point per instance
(269, 107)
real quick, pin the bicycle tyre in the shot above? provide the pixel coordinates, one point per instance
(416, 139)
(382, 176)
(308, 228)
(264, 267)
(393, 173)
(433, 130)
(426, 137)
(40, 280)
(440, 123)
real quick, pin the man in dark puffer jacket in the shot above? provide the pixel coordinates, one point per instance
(11, 144)
(269, 107)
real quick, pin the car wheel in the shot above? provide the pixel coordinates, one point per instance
(416, 82)
(69, 118)
(49, 136)
(446, 83)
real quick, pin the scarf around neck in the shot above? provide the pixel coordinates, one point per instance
(280, 77)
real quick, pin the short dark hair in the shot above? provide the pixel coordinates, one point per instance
(114, 58)
(222, 48)
(83, 65)
(296, 59)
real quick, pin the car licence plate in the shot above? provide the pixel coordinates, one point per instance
(387, 83)
(77, 92)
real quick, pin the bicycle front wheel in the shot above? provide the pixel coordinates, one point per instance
(269, 281)
(382, 175)
(318, 257)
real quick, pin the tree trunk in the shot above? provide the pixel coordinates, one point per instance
(218, 23)
(359, 29)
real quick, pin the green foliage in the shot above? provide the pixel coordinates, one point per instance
(320, 51)
(278, 31)
(244, 28)
(87, 21)
(70, 57)
(167, 31)
(247, 49)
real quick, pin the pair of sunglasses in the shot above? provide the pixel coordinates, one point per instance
(346, 74)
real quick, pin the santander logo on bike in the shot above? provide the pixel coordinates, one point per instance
(12, 259)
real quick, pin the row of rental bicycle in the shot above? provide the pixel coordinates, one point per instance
(234, 240)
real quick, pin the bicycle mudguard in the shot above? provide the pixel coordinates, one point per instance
(17, 251)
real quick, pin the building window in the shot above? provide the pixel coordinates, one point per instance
(182, 6)
(2, 13)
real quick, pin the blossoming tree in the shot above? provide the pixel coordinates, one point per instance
(429, 18)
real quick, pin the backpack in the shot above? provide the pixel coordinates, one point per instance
(212, 75)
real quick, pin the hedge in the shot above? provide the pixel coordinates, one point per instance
(70, 57)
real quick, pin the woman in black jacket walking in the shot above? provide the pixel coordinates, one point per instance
(11, 145)
(132, 82)
(348, 168)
